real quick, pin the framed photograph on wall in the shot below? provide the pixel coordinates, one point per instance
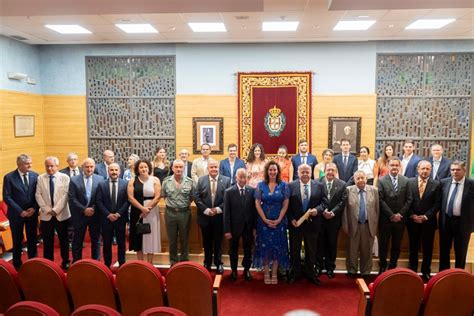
(208, 130)
(344, 128)
(24, 125)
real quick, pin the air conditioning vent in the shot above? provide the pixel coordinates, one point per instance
(19, 38)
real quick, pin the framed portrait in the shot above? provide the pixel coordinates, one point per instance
(208, 130)
(344, 128)
(24, 125)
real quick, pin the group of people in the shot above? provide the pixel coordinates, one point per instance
(263, 202)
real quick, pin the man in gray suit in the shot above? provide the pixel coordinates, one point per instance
(209, 198)
(360, 222)
(395, 200)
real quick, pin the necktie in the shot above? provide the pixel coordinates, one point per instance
(114, 196)
(421, 187)
(242, 192)
(435, 168)
(451, 200)
(213, 191)
(25, 181)
(51, 189)
(345, 161)
(361, 207)
(395, 184)
(303, 159)
(74, 173)
(329, 189)
(88, 189)
(305, 197)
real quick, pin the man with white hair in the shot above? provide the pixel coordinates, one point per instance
(72, 169)
(52, 196)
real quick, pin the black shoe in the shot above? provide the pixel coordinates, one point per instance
(314, 280)
(220, 269)
(426, 276)
(318, 271)
(248, 275)
(233, 276)
(65, 267)
(351, 275)
(114, 241)
(208, 267)
(331, 274)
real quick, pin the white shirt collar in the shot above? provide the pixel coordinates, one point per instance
(460, 181)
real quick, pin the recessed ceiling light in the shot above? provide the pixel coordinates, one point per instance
(429, 24)
(68, 29)
(137, 28)
(207, 27)
(279, 26)
(353, 25)
(363, 16)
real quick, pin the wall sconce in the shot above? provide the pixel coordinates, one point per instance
(16, 75)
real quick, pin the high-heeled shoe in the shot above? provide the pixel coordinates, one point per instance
(266, 278)
(274, 279)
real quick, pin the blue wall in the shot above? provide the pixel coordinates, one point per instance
(339, 68)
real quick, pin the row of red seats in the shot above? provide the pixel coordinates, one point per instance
(136, 287)
(402, 292)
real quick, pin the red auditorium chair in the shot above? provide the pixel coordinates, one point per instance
(5, 230)
(95, 310)
(162, 311)
(91, 282)
(191, 290)
(30, 308)
(10, 292)
(43, 281)
(450, 292)
(395, 292)
(140, 286)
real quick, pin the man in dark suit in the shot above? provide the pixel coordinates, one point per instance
(102, 169)
(209, 199)
(346, 162)
(188, 165)
(112, 204)
(306, 198)
(303, 157)
(240, 219)
(19, 188)
(336, 193)
(229, 166)
(395, 200)
(409, 159)
(82, 203)
(72, 169)
(421, 223)
(440, 165)
(456, 219)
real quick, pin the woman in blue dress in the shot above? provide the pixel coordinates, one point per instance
(271, 200)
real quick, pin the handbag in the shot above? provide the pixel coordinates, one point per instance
(143, 228)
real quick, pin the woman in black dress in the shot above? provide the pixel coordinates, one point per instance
(161, 165)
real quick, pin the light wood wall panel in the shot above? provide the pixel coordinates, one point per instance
(16, 103)
(65, 126)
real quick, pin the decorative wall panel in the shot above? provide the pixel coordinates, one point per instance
(131, 105)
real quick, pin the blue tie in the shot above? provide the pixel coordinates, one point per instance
(361, 207)
(395, 184)
(51, 189)
(305, 198)
(25, 181)
(88, 189)
(451, 200)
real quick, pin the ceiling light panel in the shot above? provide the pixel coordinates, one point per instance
(207, 27)
(361, 25)
(68, 29)
(429, 24)
(280, 26)
(137, 28)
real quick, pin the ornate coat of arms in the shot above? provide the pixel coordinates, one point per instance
(275, 122)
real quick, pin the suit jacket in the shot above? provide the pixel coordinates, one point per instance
(224, 168)
(467, 204)
(77, 196)
(203, 199)
(104, 200)
(350, 219)
(67, 171)
(429, 203)
(317, 200)
(443, 170)
(188, 171)
(346, 174)
(392, 202)
(239, 212)
(198, 169)
(60, 196)
(411, 168)
(296, 160)
(337, 202)
(17, 197)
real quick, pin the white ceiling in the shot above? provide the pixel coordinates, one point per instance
(243, 19)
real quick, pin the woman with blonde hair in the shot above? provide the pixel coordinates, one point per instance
(161, 164)
(381, 166)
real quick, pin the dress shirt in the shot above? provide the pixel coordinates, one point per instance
(218, 209)
(304, 158)
(231, 165)
(23, 179)
(367, 167)
(71, 173)
(436, 164)
(302, 189)
(458, 199)
(405, 162)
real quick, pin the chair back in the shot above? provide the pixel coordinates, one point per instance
(91, 282)
(189, 288)
(162, 311)
(450, 292)
(396, 292)
(95, 310)
(136, 298)
(30, 308)
(44, 281)
(10, 292)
